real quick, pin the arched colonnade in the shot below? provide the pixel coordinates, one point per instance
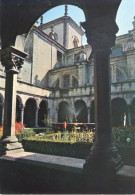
(31, 113)
(122, 111)
(100, 15)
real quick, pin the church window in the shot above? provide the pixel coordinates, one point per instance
(120, 76)
(76, 57)
(59, 57)
(130, 44)
(117, 51)
(56, 84)
(74, 82)
(66, 79)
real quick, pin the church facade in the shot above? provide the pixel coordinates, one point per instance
(57, 78)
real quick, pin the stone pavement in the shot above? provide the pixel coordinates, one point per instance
(48, 161)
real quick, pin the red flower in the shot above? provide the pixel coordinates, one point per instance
(19, 127)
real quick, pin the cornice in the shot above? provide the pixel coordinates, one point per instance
(59, 20)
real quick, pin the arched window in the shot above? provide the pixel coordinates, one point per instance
(56, 84)
(74, 82)
(117, 51)
(66, 80)
(120, 77)
(76, 57)
(130, 44)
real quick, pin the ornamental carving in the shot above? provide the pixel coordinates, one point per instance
(12, 59)
(101, 32)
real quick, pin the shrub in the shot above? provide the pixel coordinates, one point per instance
(25, 134)
(124, 136)
(61, 148)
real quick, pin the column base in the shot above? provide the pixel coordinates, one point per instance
(10, 145)
(103, 160)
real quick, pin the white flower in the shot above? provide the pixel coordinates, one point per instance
(128, 139)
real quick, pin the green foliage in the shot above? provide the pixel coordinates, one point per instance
(124, 136)
(26, 133)
(47, 122)
(61, 148)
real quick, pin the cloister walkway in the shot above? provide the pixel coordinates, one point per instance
(71, 177)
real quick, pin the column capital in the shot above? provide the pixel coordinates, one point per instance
(101, 32)
(12, 59)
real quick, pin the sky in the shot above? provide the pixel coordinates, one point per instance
(124, 19)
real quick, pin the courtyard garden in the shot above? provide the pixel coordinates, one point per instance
(72, 141)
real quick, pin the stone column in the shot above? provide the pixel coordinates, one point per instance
(12, 59)
(88, 109)
(2, 117)
(36, 116)
(104, 156)
(22, 113)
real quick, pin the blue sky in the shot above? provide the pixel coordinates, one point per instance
(124, 20)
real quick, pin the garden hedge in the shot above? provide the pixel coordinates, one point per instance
(76, 150)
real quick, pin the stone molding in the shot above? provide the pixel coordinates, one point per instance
(12, 59)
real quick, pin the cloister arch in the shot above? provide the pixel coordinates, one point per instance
(119, 109)
(92, 112)
(31, 11)
(18, 108)
(29, 112)
(42, 112)
(64, 112)
(81, 112)
(100, 15)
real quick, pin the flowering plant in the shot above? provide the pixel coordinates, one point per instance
(19, 127)
(1, 131)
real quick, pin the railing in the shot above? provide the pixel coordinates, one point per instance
(127, 86)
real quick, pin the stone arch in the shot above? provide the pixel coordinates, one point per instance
(42, 112)
(18, 108)
(1, 108)
(120, 74)
(81, 113)
(64, 112)
(92, 112)
(29, 112)
(119, 109)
